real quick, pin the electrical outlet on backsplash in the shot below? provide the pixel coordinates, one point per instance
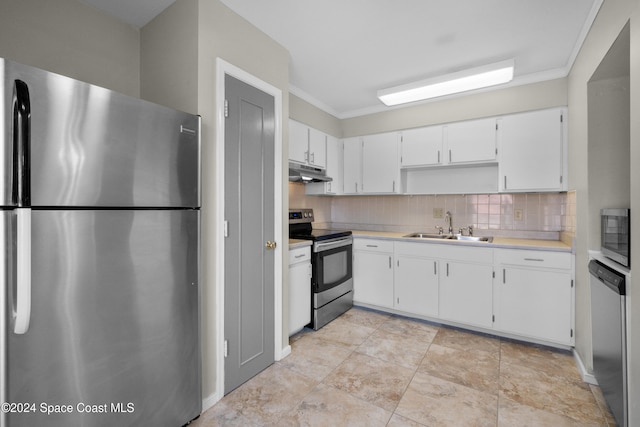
(530, 215)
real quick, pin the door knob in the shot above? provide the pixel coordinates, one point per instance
(270, 244)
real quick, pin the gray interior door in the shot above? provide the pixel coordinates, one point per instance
(249, 210)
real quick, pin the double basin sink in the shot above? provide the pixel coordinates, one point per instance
(450, 237)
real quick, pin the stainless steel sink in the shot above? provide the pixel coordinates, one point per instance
(449, 236)
(475, 238)
(429, 236)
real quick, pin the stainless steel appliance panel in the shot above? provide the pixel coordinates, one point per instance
(608, 319)
(327, 313)
(5, 279)
(114, 320)
(94, 147)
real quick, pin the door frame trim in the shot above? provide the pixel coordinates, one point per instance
(224, 68)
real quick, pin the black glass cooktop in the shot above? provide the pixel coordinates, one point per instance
(317, 234)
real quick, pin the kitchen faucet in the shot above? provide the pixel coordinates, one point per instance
(448, 217)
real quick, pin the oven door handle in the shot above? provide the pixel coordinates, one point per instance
(325, 246)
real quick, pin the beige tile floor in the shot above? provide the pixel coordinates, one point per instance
(373, 369)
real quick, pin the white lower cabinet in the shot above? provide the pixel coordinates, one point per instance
(373, 272)
(466, 285)
(533, 293)
(416, 280)
(299, 289)
(524, 294)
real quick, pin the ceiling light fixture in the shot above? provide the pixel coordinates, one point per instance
(461, 81)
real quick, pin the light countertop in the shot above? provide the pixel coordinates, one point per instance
(296, 243)
(498, 242)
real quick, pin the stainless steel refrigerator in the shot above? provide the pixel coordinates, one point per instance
(99, 302)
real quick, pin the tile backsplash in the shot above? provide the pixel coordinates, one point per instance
(531, 215)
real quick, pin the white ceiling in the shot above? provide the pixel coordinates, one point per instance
(343, 52)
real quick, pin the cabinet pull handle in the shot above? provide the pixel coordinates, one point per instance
(389, 262)
(435, 271)
(438, 156)
(449, 156)
(356, 187)
(534, 259)
(313, 158)
(394, 186)
(505, 182)
(306, 156)
(372, 246)
(299, 256)
(504, 275)
(447, 269)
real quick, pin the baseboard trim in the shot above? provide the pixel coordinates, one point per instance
(586, 375)
(284, 352)
(209, 401)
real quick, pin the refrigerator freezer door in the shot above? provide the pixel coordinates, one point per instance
(114, 331)
(94, 147)
(5, 283)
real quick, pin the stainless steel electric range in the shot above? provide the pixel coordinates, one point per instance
(332, 267)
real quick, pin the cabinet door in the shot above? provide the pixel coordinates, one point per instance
(531, 151)
(317, 148)
(416, 285)
(472, 141)
(334, 165)
(298, 142)
(373, 278)
(334, 171)
(421, 147)
(299, 296)
(352, 175)
(466, 294)
(380, 171)
(534, 303)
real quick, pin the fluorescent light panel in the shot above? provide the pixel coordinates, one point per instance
(462, 81)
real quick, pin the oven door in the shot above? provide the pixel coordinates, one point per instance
(332, 263)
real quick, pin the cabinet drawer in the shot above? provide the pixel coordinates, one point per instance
(455, 252)
(421, 249)
(527, 258)
(373, 245)
(300, 255)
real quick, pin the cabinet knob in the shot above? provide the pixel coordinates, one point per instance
(270, 245)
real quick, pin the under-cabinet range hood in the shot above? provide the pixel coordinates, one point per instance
(306, 174)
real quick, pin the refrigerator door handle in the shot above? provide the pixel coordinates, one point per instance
(21, 144)
(22, 198)
(22, 309)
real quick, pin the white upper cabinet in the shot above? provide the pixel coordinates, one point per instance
(334, 171)
(380, 169)
(298, 142)
(531, 151)
(317, 148)
(471, 141)
(352, 170)
(334, 165)
(307, 146)
(421, 147)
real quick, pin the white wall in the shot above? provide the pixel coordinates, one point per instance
(610, 21)
(303, 112)
(536, 96)
(169, 58)
(71, 38)
(188, 81)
